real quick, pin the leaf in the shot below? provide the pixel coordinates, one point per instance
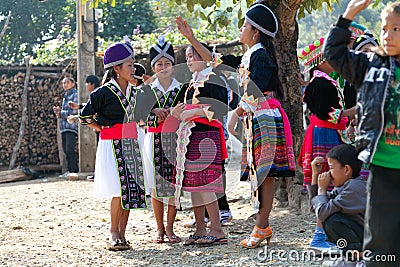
(240, 13)
(240, 22)
(190, 5)
(203, 16)
(249, 2)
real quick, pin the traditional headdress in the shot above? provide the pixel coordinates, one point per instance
(139, 72)
(161, 49)
(263, 19)
(356, 29)
(311, 55)
(118, 53)
(366, 38)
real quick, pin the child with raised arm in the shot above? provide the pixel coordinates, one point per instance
(376, 76)
(269, 152)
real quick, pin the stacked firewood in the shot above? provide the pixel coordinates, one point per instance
(39, 146)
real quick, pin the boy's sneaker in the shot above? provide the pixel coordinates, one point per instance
(64, 175)
(192, 223)
(90, 178)
(320, 246)
(225, 216)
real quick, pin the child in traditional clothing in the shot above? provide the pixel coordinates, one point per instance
(324, 98)
(376, 76)
(268, 151)
(118, 171)
(201, 147)
(160, 141)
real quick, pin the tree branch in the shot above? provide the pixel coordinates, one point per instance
(24, 112)
(3, 31)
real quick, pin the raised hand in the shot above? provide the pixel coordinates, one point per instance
(354, 7)
(184, 27)
(317, 164)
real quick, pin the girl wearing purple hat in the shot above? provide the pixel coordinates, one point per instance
(118, 171)
(267, 151)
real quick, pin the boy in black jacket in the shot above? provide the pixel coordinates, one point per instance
(376, 76)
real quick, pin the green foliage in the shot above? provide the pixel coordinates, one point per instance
(58, 49)
(32, 24)
(124, 17)
(316, 25)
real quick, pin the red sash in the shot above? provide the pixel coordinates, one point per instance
(306, 148)
(170, 125)
(119, 131)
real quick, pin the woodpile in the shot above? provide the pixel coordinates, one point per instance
(39, 145)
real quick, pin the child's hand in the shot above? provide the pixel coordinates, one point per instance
(177, 110)
(354, 7)
(324, 180)
(161, 113)
(184, 27)
(232, 123)
(317, 164)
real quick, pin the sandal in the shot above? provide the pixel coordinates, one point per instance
(214, 241)
(191, 240)
(116, 245)
(172, 238)
(257, 236)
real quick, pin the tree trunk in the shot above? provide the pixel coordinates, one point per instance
(289, 189)
(24, 113)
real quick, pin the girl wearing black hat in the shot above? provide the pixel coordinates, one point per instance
(160, 141)
(201, 148)
(272, 154)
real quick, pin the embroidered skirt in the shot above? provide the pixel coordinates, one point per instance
(324, 139)
(204, 164)
(119, 172)
(269, 153)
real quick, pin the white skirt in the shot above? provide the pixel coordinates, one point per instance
(106, 182)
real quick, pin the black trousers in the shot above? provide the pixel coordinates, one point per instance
(69, 140)
(222, 201)
(340, 226)
(382, 217)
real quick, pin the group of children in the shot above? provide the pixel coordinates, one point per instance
(185, 144)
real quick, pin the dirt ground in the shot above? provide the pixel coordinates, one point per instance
(55, 222)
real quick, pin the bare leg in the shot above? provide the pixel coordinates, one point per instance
(199, 213)
(115, 212)
(158, 209)
(210, 201)
(268, 191)
(123, 223)
(171, 214)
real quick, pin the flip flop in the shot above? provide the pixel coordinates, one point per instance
(214, 241)
(191, 240)
(116, 245)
